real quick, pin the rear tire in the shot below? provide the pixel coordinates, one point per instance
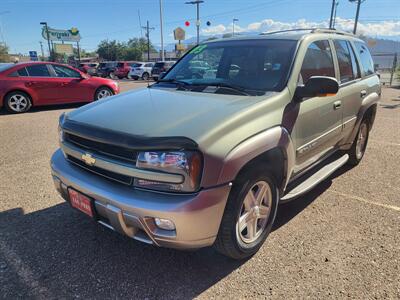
(357, 150)
(145, 76)
(249, 214)
(17, 102)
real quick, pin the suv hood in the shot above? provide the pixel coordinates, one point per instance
(162, 112)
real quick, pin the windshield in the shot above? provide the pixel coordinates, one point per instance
(4, 67)
(258, 65)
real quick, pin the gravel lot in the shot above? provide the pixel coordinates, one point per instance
(340, 240)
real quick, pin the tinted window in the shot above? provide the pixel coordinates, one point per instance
(136, 65)
(366, 59)
(159, 65)
(240, 63)
(148, 65)
(354, 63)
(344, 60)
(120, 65)
(62, 71)
(317, 61)
(38, 71)
(22, 72)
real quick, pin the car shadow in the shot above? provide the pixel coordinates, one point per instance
(58, 252)
(36, 109)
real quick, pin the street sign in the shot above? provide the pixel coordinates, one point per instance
(180, 47)
(179, 34)
(71, 35)
(33, 55)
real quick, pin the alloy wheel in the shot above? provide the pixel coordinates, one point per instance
(361, 140)
(254, 213)
(103, 93)
(18, 103)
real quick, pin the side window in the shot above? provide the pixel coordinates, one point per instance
(317, 61)
(354, 63)
(20, 72)
(148, 65)
(366, 59)
(344, 60)
(62, 71)
(38, 71)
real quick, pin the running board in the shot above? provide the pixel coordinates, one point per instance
(315, 178)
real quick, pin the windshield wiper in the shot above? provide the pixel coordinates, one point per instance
(179, 83)
(226, 86)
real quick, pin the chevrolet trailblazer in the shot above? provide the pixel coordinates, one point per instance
(205, 155)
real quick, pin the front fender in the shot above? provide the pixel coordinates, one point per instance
(237, 158)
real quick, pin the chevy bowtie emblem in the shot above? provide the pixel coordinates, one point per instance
(88, 159)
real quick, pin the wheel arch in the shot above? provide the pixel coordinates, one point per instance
(272, 147)
(102, 86)
(19, 90)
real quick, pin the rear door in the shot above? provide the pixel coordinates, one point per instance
(39, 80)
(319, 123)
(349, 81)
(72, 87)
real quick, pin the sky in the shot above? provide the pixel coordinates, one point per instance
(119, 19)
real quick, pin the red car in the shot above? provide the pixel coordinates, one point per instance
(30, 84)
(123, 68)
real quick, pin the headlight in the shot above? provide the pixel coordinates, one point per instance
(186, 163)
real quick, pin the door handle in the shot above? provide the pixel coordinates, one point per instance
(64, 83)
(337, 105)
(30, 83)
(363, 93)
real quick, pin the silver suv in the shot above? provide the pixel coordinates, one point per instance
(205, 155)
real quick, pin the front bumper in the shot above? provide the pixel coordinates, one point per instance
(130, 211)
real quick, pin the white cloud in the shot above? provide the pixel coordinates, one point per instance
(383, 28)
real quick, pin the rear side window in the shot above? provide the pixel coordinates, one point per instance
(344, 60)
(148, 65)
(62, 71)
(317, 61)
(366, 59)
(38, 71)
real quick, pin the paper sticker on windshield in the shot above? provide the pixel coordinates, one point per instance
(198, 49)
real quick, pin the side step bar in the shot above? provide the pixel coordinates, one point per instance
(315, 179)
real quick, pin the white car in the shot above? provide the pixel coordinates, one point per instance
(141, 70)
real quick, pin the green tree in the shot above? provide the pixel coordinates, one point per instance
(4, 57)
(111, 50)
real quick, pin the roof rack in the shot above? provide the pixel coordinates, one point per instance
(311, 30)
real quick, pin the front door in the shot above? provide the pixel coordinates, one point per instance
(319, 123)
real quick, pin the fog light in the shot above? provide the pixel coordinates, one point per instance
(164, 224)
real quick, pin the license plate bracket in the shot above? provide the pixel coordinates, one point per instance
(81, 202)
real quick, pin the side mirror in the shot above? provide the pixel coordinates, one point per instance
(161, 76)
(317, 86)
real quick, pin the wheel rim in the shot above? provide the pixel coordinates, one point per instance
(254, 213)
(18, 103)
(145, 76)
(361, 140)
(103, 93)
(112, 75)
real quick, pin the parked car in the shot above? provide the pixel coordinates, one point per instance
(105, 69)
(122, 69)
(160, 67)
(24, 85)
(192, 162)
(141, 70)
(88, 68)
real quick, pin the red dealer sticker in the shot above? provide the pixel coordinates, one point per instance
(81, 202)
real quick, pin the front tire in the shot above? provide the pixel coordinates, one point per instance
(103, 92)
(357, 150)
(18, 102)
(145, 76)
(249, 214)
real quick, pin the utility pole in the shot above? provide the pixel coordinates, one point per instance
(233, 25)
(162, 33)
(148, 28)
(334, 16)
(41, 48)
(357, 13)
(332, 9)
(48, 39)
(197, 2)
